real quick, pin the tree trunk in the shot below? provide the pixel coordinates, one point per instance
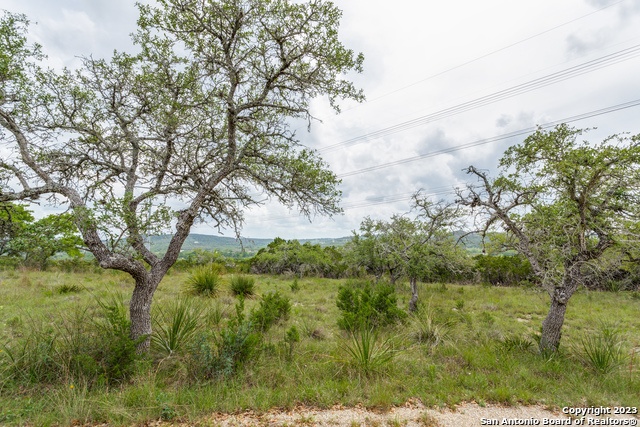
(413, 303)
(552, 326)
(140, 310)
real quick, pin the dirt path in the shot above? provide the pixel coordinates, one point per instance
(409, 415)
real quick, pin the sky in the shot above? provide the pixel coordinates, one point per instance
(437, 75)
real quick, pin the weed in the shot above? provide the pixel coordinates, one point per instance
(428, 420)
(243, 285)
(221, 356)
(205, 281)
(68, 289)
(515, 342)
(176, 325)
(216, 313)
(635, 295)
(292, 337)
(459, 304)
(295, 286)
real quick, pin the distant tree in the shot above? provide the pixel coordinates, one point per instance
(565, 206)
(35, 242)
(201, 116)
(416, 249)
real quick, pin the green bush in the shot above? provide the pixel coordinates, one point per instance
(89, 346)
(205, 281)
(273, 307)
(243, 285)
(367, 308)
(221, 356)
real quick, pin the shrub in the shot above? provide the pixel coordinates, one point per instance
(87, 346)
(205, 281)
(243, 285)
(273, 307)
(221, 356)
(366, 308)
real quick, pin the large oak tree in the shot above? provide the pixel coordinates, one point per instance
(565, 205)
(200, 116)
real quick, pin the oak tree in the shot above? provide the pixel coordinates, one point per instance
(200, 117)
(565, 205)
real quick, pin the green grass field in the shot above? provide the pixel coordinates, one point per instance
(468, 343)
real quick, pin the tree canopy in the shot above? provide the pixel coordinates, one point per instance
(565, 205)
(199, 117)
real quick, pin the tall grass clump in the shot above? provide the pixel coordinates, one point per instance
(243, 285)
(175, 325)
(204, 281)
(428, 329)
(601, 351)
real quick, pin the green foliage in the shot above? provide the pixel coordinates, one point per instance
(366, 352)
(244, 286)
(273, 307)
(205, 281)
(291, 338)
(282, 256)
(601, 351)
(174, 327)
(66, 288)
(503, 270)
(91, 347)
(363, 308)
(221, 356)
(295, 286)
(35, 242)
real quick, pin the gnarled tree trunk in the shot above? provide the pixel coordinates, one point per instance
(552, 324)
(413, 302)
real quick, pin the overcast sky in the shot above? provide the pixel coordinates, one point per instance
(450, 73)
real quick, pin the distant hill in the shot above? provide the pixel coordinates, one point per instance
(159, 244)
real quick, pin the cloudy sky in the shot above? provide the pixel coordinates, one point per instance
(437, 75)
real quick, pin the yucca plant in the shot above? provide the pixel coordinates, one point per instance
(176, 325)
(601, 351)
(243, 285)
(205, 281)
(366, 352)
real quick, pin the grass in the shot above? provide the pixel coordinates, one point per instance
(243, 285)
(486, 357)
(205, 281)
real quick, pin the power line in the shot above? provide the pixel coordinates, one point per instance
(495, 138)
(571, 72)
(482, 56)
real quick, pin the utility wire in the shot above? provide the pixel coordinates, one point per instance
(586, 67)
(482, 57)
(495, 138)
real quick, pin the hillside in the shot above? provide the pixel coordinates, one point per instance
(159, 244)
